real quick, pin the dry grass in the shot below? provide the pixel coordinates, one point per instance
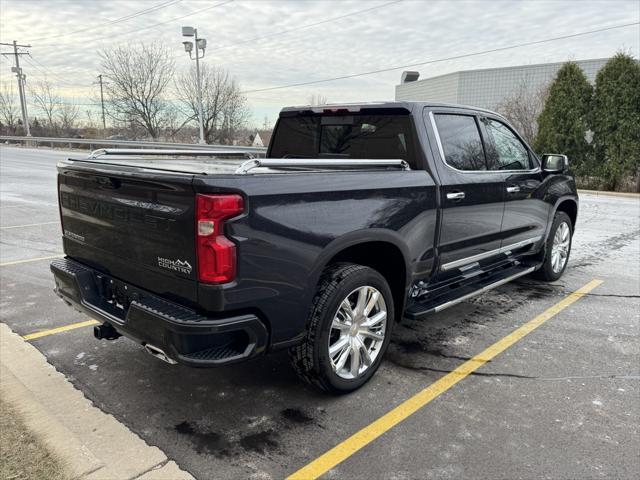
(23, 456)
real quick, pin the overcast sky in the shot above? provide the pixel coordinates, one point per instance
(252, 39)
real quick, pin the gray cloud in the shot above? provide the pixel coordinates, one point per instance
(407, 32)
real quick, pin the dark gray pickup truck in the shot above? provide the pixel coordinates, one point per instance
(361, 215)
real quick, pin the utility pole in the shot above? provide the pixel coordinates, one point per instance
(104, 122)
(21, 79)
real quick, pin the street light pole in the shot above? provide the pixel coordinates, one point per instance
(200, 44)
(199, 89)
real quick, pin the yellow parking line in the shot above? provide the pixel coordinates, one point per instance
(29, 260)
(53, 331)
(29, 225)
(368, 434)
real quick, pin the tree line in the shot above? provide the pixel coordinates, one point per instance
(596, 126)
(144, 96)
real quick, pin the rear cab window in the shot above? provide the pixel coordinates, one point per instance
(384, 136)
(461, 141)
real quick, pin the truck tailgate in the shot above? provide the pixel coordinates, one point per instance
(131, 222)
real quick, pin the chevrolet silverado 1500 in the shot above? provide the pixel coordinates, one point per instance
(359, 216)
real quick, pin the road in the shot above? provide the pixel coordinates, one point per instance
(563, 402)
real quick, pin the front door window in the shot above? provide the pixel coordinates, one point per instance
(510, 153)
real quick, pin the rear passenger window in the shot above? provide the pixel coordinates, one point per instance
(461, 142)
(510, 153)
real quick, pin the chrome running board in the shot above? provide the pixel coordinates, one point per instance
(482, 290)
(447, 296)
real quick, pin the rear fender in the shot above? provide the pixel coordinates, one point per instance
(354, 238)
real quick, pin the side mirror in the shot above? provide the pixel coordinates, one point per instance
(554, 163)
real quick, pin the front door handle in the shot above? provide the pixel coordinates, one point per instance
(455, 196)
(514, 189)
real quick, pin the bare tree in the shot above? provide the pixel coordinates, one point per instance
(68, 114)
(138, 77)
(523, 107)
(224, 108)
(90, 120)
(317, 99)
(236, 115)
(9, 110)
(47, 100)
(176, 120)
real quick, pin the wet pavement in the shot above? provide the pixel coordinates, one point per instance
(564, 402)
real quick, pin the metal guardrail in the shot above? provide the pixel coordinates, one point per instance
(96, 142)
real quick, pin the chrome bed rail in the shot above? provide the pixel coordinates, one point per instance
(319, 163)
(162, 151)
(253, 162)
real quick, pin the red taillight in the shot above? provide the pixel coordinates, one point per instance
(216, 253)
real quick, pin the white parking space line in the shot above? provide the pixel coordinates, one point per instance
(29, 225)
(29, 260)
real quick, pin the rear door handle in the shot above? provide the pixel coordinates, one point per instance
(455, 196)
(514, 189)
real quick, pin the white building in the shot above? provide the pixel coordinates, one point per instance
(485, 88)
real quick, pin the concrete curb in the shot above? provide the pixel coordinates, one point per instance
(93, 444)
(600, 193)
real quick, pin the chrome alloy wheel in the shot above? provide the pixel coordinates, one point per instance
(357, 332)
(560, 247)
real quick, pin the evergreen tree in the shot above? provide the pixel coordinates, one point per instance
(616, 120)
(563, 123)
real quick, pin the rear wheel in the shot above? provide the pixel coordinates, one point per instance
(349, 328)
(558, 249)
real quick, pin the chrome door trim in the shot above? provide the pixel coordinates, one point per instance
(483, 290)
(481, 256)
(438, 141)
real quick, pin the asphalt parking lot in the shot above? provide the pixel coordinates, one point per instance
(562, 402)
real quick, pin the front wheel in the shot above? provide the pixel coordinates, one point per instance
(558, 249)
(348, 330)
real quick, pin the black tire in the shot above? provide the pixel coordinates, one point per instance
(546, 271)
(311, 359)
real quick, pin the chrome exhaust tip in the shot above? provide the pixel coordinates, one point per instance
(159, 353)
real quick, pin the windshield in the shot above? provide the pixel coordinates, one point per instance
(350, 136)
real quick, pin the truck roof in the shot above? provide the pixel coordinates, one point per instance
(358, 106)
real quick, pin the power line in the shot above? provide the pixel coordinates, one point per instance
(283, 32)
(161, 23)
(294, 29)
(167, 21)
(113, 22)
(73, 104)
(427, 62)
(46, 71)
